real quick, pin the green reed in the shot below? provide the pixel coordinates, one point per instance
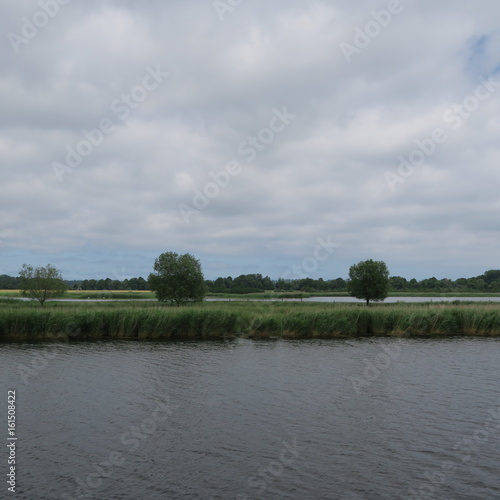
(62, 321)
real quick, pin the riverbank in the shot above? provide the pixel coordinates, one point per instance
(27, 321)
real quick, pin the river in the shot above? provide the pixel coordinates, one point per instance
(346, 419)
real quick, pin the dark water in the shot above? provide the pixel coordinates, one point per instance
(368, 419)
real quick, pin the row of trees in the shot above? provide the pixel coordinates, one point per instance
(179, 279)
(176, 278)
(251, 283)
(487, 282)
(109, 284)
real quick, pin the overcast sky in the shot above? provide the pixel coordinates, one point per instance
(282, 137)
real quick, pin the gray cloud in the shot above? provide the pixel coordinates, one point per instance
(323, 174)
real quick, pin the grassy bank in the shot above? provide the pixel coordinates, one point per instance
(27, 321)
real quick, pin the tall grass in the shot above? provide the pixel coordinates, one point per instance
(27, 321)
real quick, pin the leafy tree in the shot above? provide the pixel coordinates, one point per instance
(177, 279)
(220, 285)
(117, 285)
(494, 286)
(307, 285)
(282, 284)
(8, 282)
(369, 280)
(429, 284)
(461, 284)
(267, 283)
(41, 283)
(142, 284)
(490, 276)
(398, 283)
(248, 281)
(133, 283)
(414, 285)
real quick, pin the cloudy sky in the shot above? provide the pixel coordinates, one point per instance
(283, 137)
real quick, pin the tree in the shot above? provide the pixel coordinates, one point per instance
(398, 283)
(368, 280)
(177, 279)
(41, 283)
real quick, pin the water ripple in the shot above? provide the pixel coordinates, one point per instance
(267, 420)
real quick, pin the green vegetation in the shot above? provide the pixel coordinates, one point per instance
(41, 283)
(62, 321)
(369, 280)
(487, 283)
(93, 295)
(177, 279)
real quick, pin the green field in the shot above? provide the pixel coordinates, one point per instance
(63, 321)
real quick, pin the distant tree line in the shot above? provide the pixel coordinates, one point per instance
(10, 283)
(109, 284)
(248, 283)
(487, 282)
(253, 283)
